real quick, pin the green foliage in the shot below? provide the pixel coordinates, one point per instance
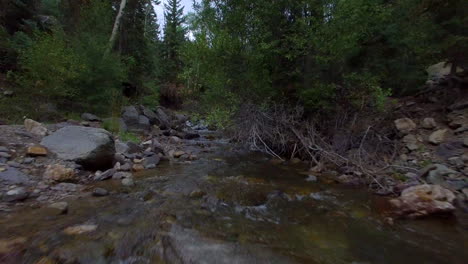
(151, 98)
(129, 136)
(112, 125)
(50, 67)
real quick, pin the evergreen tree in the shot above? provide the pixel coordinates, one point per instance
(174, 37)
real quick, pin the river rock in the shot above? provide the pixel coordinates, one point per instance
(438, 136)
(138, 167)
(423, 200)
(465, 142)
(13, 176)
(59, 173)
(436, 173)
(5, 155)
(163, 118)
(178, 154)
(99, 192)
(121, 147)
(93, 148)
(405, 125)
(16, 195)
(35, 151)
(128, 182)
(151, 162)
(90, 117)
(429, 123)
(130, 115)
(4, 149)
(121, 175)
(58, 208)
(411, 142)
(152, 117)
(104, 175)
(35, 128)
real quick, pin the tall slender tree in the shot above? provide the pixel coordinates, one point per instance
(174, 37)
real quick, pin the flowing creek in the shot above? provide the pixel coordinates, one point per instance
(247, 210)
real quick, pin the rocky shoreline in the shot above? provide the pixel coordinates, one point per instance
(40, 165)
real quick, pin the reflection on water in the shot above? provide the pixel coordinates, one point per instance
(253, 212)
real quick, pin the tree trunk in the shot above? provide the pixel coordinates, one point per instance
(116, 25)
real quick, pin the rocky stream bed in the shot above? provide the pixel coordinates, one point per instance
(190, 196)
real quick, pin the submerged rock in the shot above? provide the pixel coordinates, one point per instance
(16, 194)
(79, 229)
(58, 208)
(93, 148)
(424, 200)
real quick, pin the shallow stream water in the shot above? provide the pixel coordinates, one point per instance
(246, 210)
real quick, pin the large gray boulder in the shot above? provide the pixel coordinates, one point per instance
(134, 120)
(93, 148)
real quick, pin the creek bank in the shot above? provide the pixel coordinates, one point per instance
(42, 164)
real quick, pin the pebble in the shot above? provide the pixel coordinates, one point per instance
(121, 175)
(128, 182)
(16, 194)
(99, 192)
(5, 155)
(58, 208)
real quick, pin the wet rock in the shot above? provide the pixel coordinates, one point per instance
(35, 128)
(126, 167)
(99, 192)
(151, 162)
(104, 175)
(16, 195)
(7, 245)
(311, 178)
(138, 167)
(90, 117)
(183, 245)
(128, 182)
(13, 176)
(59, 173)
(5, 155)
(121, 175)
(80, 229)
(4, 149)
(35, 151)
(423, 200)
(178, 154)
(405, 125)
(429, 123)
(438, 136)
(58, 208)
(28, 160)
(93, 148)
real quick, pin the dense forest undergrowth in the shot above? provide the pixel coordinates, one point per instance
(311, 79)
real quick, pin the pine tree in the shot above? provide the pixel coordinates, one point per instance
(174, 37)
